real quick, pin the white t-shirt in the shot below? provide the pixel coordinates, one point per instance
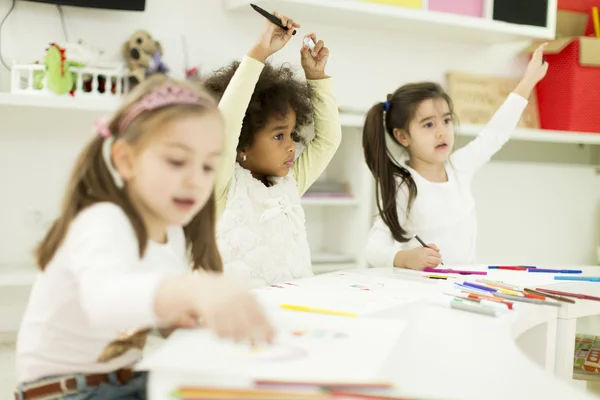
(95, 289)
(444, 213)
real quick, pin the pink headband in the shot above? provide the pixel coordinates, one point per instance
(165, 95)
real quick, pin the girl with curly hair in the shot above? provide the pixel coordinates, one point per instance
(261, 232)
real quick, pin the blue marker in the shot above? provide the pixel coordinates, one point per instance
(556, 271)
(577, 278)
(480, 287)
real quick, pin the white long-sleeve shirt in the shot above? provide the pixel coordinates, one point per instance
(444, 213)
(95, 289)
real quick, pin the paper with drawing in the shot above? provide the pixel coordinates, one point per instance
(346, 292)
(308, 348)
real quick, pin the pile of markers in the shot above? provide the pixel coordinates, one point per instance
(491, 297)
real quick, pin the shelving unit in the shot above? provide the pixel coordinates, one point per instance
(419, 22)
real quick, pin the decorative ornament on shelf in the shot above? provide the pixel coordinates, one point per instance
(143, 56)
(59, 77)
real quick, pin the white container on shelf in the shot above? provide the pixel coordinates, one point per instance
(23, 81)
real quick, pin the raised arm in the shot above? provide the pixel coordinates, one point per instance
(502, 124)
(236, 97)
(328, 130)
(233, 106)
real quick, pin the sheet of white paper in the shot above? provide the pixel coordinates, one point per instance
(345, 292)
(308, 347)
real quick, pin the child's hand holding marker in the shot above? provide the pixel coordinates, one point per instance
(314, 56)
(273, 38)
(419, 258)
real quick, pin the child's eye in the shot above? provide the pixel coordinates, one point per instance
(279, 137)
(176, 163)
(208, 168)
(448, 121)
(428, 125)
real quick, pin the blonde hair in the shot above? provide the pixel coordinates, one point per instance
(91, 182)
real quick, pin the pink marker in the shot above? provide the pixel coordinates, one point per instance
(454, 271)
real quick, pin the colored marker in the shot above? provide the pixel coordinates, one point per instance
(484, 302)
(464, 305)
(510, 268)
(270, 17)
(526, 299)
(471, 289)
(445, 277)
(556, 271)
(567, 294)
(454, 271)
(480, 287)
(596, 21)
(550, 296)
(577, 278)
(317, 310)
(424, 245)
(309, 42)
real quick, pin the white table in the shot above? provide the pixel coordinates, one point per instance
(566, 324)
(450, 354)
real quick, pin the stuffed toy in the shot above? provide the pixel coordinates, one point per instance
(143, 56)
(59, 77)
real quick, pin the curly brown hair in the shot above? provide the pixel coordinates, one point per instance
(276, 91)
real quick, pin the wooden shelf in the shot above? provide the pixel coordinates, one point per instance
(385, 18)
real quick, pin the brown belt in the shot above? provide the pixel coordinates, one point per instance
(68, 385)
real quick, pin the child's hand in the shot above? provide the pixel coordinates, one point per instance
(314, 61)
(273, 38)
(535, 72)
(419, 258)
(537, 67)
(230, 311)
(225, 308)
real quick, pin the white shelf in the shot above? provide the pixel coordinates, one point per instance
(329, 201)
(66, 102)
(534, 135)
(540, 135)
(17, 275)
(419, 23)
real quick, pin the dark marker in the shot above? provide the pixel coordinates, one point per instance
(424, 245)
(270, 17)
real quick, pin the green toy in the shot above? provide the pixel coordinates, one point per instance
(59, 77)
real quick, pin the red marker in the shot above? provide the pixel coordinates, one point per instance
(510, 267)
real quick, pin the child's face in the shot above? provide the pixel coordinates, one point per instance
(273, 148)
(431, 135)
(173, 172)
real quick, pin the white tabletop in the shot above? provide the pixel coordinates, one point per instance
(450, 354)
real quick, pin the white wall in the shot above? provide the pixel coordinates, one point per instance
(525, 208)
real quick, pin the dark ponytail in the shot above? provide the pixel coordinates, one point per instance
(396, 113)
(384, 170)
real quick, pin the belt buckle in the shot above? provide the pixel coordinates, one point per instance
(63, 384)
